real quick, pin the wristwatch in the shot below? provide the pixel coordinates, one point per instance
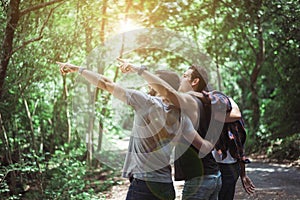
(80, 70)
(141, 69)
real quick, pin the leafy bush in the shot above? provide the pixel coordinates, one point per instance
(63, 176)
(69, 178)
(285, 148)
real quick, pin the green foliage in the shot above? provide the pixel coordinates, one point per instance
(4, 188)
(24, 173)
(68, 177)
(65, 175)
(281, 88)
(36, 104)
(285, 148)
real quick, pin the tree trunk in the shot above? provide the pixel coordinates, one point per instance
(260, 57)
(33, 144)
(13, 17)
(67, 111)
(102, 39)
(255, 109)
(7, 45)
(7, 157)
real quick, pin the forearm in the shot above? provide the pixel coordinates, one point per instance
(246, 181)
(242, 168)
(203, 145)
(104, 83)
(94, 78)
(158, 84)
(195, 139)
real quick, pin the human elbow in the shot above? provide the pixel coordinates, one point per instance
(101, 84)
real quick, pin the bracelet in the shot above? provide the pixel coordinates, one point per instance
(246, 161)
(81, 70)
(141, 69)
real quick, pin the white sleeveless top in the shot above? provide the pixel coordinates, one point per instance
(228, 160)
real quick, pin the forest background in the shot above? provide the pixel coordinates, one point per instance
(253, 46)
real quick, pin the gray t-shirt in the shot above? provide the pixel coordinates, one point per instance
(156, 129)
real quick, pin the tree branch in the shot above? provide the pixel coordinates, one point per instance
(39, 6)
(26, 43)
(40, 32)
(248, 41)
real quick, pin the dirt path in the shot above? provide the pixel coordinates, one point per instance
(272, 181)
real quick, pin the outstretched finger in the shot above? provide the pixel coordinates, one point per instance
(124, 64)
(125, 68)
(59, 63)
(63, 68)
(121, 60)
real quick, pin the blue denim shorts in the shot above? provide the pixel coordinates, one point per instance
(147, 190)
(204, 187)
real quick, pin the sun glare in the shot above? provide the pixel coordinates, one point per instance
(128, 25)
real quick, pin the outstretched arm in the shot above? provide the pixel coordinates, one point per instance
(183, 101)
(94, 78)
(162, 87)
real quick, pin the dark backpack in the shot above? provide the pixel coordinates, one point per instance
(233, 136)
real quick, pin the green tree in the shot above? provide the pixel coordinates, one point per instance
(281, 88)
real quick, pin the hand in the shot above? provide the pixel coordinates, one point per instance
(248, 184)
(67, 68)
(125, 66)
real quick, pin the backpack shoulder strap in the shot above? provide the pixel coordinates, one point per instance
(204, 111)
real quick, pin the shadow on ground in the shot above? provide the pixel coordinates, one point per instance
(273, 182)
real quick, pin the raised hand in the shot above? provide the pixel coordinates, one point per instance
(67, 68)
(126, 67)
